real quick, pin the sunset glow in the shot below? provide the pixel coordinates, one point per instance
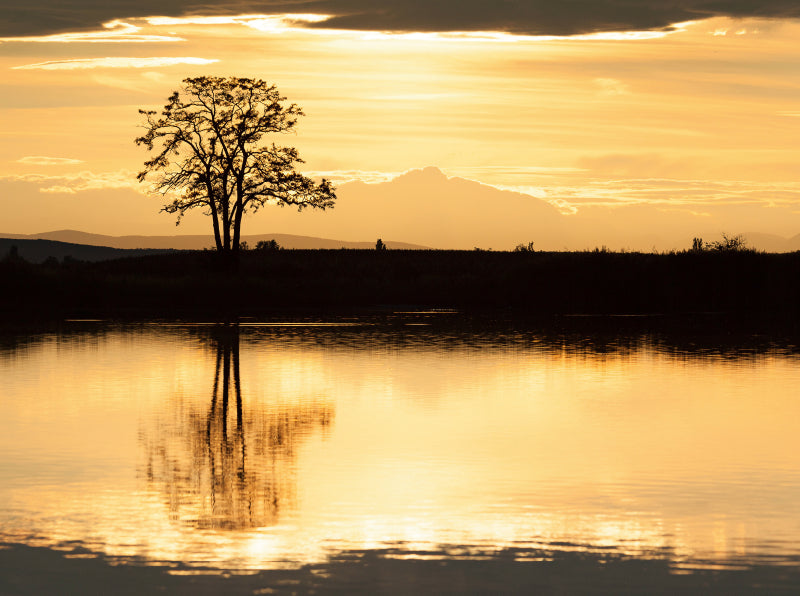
(685, 130)
(400, 296)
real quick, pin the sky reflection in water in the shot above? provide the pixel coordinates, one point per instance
(276, 444)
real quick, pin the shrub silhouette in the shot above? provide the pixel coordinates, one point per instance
(268, 245)
(524, 247)
(729, 244)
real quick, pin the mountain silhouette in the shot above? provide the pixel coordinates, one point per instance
(427, 208)
(194, 241)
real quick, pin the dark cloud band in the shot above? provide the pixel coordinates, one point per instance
(533, 17)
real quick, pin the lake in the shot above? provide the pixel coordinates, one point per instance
(287, 442)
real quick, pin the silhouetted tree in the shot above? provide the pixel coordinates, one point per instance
(379, 245)
(12, 256)
(729, 244)
(268, 245)
(208, 152)
(524, 247)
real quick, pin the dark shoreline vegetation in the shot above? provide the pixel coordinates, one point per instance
(560, 570)
(600, 282)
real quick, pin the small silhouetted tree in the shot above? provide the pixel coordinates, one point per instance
(209, 153)
(268, 245)
(12, 256)
(729, 244)
(379, 245)
(524, 247)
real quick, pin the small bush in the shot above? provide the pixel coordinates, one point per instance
(268, 245)
(524, 247)
(729, 244)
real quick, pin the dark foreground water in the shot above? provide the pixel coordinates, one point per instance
(396, 453)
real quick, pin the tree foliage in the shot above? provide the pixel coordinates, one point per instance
(208, 151)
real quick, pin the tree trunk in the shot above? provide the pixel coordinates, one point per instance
(237, 224)
(238, 210)
(215, 220)
(226, 226)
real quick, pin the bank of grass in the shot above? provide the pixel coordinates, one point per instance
(590, 282)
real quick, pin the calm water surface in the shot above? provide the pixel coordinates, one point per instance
(276, 444)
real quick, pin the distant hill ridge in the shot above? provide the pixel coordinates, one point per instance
(93, 247)
(38, 250)
(196, 242)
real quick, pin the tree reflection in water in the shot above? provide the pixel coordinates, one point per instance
(229, 466)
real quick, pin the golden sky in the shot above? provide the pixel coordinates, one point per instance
(636, 132)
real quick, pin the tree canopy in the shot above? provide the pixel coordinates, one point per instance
(208, 151)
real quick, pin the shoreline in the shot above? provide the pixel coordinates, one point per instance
(27, 570)
(739, 284)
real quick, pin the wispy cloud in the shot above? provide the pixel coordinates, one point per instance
(413, 97)
(661, 193)
(345, 176)
(78, 182)
(115, 62)
(611, 87)
(41, 160)
(476, 173)
(112, 32)
(507, 171)
(276, 23)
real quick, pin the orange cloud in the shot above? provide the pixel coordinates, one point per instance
(40, 160)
